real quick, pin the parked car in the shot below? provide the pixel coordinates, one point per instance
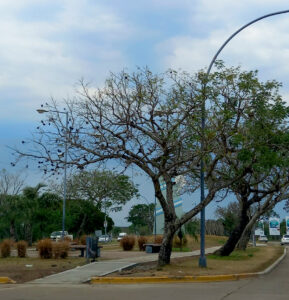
(263, 238)
(104, 238)
(57, 235)
(285, 239)
(121, 235)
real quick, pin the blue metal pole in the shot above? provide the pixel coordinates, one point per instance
(64, 179)
(202, 259)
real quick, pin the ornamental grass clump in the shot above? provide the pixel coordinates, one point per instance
(180, 241)
(60, 249)
(21, 248)
(158, 239)
(142, 240)
(127, 242)
(83, 239)
(45, 248)
(5, 248)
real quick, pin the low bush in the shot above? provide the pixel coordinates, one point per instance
(180, 241)
(5, 248)
(60, 249)
(127, 242)
(21, 248)
(158, 239)
(45, 248)
(83, 240)
(142, 240)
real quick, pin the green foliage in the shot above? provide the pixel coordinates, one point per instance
(142, 218)
(193, 228)
(180, 240)
(229, 216)
(32, 216)
(106, 189)
(236, 255)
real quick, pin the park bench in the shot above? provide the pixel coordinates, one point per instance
(152, 248)
(82, 248)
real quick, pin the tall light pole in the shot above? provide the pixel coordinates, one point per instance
(202, 259)
(41, 111)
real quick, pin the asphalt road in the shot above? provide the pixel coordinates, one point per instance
(273, 286)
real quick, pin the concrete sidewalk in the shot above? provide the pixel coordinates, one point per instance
(84, 273)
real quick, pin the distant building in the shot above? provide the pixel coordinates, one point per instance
(178, 204)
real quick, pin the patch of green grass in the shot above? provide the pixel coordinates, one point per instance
(236, 255)
(184, 249)
(221, 242)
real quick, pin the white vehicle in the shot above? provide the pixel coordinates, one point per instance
(263, 238)
(104, 238)
(285, 239)
(121, 235)
(57, 236)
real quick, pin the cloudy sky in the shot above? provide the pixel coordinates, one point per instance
(46, 46)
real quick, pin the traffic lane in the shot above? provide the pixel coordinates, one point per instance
(204, 291)
(274, 285)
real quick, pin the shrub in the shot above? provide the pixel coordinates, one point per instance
(67, 239)
(5, 248)
(21, 248)
(158, 239)
(83, 240)
(127, 242)
(141, 241)
(180, 241)
(60, 249)
(45, 248)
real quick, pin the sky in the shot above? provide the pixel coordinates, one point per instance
(47, 46)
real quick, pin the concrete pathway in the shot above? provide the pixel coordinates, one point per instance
(84, 273)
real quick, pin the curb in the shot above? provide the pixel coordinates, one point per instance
(183, 279)
(5, 280)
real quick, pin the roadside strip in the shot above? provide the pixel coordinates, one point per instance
(182, 279)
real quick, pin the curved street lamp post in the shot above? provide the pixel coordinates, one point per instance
(202, 259)
(41, 111)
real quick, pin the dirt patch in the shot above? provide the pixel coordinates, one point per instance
(251, 260)
(27, 269)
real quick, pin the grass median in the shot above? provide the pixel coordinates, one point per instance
(250, 261)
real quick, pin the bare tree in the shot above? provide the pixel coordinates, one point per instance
(151, 121)
(10, 184)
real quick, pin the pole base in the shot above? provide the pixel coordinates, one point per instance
(202, 262)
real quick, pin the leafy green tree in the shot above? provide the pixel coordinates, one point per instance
(251, 123)
(83, 217)
(106, 189)
(229, 215)
(142, 218)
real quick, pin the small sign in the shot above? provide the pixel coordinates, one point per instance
(105, 224)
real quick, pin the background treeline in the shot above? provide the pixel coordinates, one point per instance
(32, 215)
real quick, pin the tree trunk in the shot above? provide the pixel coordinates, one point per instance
(244, 239)
(231, 243)
(13, 234)
(166, 247)
(80, 230)
(28, 234)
